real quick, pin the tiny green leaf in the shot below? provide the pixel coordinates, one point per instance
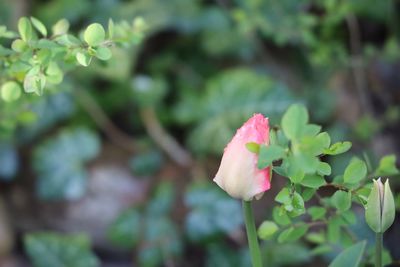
(315, 145)
(316, 237)
(268, 154)
(54, 74)
(316, 213)
(355, 171)
(298, 205)
(61, 27)
(267, 230)
(25, 29)
(39, 26)
(83, 59)
(313, 181)
(324, 168)
(18, 45)
(94, 34)
(387, 166)
(34, 82)
(293, 233)
(311, 130)
(349, 217)
(334, 233)
(338, 148)
(341, 200)
(350, 257)
(253, 147)
(280, 216)
(283, 196)
(103, 53)
(10, 91)
(46, 249)
(294, 121)
(308, 193)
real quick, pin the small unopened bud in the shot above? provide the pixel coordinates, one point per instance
(380, 208)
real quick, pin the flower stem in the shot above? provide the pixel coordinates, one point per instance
(378, 250)
(252, 234)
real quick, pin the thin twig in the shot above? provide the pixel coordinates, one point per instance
(357, 62)
(163, 138)
(116, 136)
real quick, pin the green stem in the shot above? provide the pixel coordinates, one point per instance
(378, 250)
(252, 234)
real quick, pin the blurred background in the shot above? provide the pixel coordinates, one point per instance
(113, 167)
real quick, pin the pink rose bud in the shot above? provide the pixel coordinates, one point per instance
(238, 174)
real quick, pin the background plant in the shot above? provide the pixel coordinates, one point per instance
(202, 68)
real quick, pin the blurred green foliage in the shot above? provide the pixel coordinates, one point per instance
(56, 179)
(204, 67)
(52, 249)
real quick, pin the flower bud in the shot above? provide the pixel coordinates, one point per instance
(380, 208)
(238, 174)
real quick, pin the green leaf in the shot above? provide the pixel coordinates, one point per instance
(61, 27)
(324, 168)
(387, 166)
(83, 58)
(147, 163)
(253, 147)
(125, 231)
(94, 34)
(350, 257)
(294, 121)
(162, 200)
(341, 200)
(103, 53)
(212, 212)
(34, 82)
(349, 217)
(56, 250)
(39, 26)
(64, 176)
(316, 237)
(293, 233)
(355, 171)
(338, 148)
(18, 45)
(283, 196)
(313, 181)
(267, 230)
(268, 154)
(10, 91)
(334, 233)
(54, 74)
(280, 216)
(293, 168)
(311, 130)
(298, 205)
(316, 213)
(25, 29)
(161, 242)
(321, 249)
(315, 145)
(308, 193)
(306, 162)
(208, 112)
